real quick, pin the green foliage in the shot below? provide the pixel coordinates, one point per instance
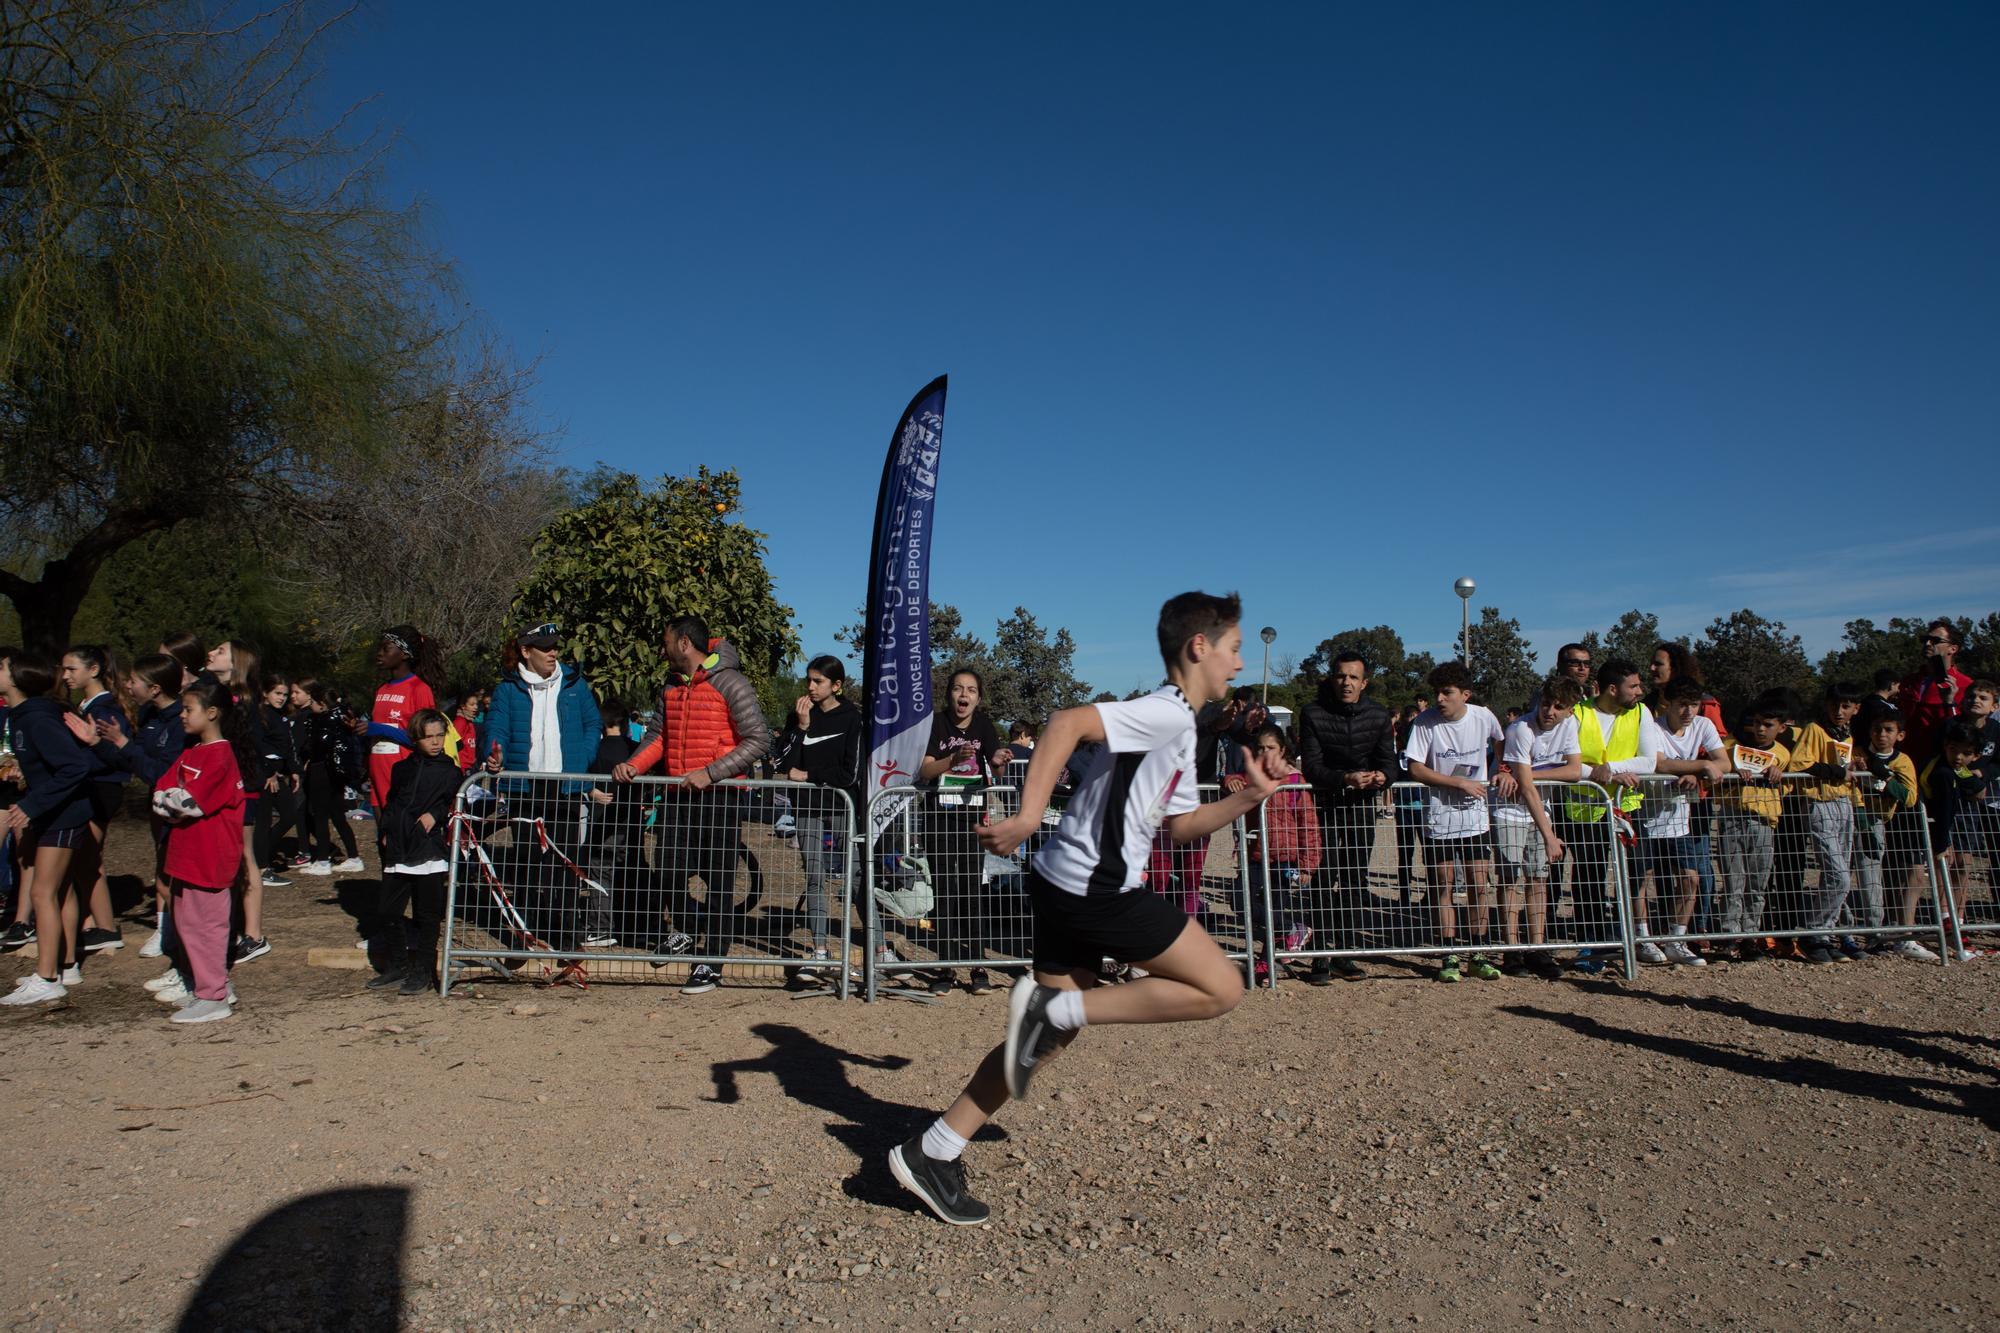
(1503, 668)
(1743, 654)
(614, 570)
(1029, 673)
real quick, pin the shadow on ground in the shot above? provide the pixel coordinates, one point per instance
(330, 1260)
(809, 1070)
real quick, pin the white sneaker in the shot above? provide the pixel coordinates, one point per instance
(203, 1011)
(174, 992)
(316, 868)
(351, 866)
(1678, 952)
(1649, 952)
(1966, 955)
(35, 989)
(152, 948)
(167, 978)
(1913, 950)
(73, 975)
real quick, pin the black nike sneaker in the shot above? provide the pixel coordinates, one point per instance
(941, 1185)
(1029, 1036)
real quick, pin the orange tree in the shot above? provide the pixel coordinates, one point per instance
(616, 568)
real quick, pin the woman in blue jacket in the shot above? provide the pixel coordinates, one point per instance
(543, 718)
(54, 810)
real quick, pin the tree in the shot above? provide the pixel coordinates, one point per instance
(443, 539)
(1033, 672)
(1502, 666)
(1743, 654)
(1397, 674)
(1865, 649)
(614, 570)
(205, 300)
(1634, 638)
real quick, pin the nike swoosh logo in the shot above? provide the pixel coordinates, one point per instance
(815, 740)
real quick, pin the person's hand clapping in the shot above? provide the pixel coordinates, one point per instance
(81, 728)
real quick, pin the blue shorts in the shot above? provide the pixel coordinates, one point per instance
(1667, 857)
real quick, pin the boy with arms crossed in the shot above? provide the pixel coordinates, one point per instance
(1451, 751)
(1084, 887)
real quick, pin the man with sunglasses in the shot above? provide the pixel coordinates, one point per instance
(1933, 696)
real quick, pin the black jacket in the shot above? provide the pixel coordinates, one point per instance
(419, 786)
(153, 747)
(1337, 738)
(828, 750)
(54, 764)
(277, 755)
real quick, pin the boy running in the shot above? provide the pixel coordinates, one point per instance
(1084, 887)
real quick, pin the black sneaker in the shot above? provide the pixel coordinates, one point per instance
(979, 983)
(18, 935)
(416, 983)
(941, 1185)
(250, 947)
(666, 949)
(1347, 969)
(701, 980)
(96, 941)
(274, 880)
(939, 983)
(1321, 973)
(393, 977)
(1816, 953)
(1029, 1036)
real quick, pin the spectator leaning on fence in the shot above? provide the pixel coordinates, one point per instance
(710, 729)
(1826, 751)
(1620, 743)
(1746, 826)
(1540, 747)
(1347, 751)
(1672, 847)
(1452, 750)
(1932, 696)
(1881, 795)
(824, 747)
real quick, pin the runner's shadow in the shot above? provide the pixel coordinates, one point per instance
(340, 1256)
(808, 1070)
(1904, 1042)
(1917, 1094)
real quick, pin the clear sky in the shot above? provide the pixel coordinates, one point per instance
(1684, 307)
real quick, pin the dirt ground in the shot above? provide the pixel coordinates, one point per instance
(1750, 1147)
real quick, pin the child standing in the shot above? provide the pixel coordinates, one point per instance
(1948, 783)
(1451, 751)
(414, 668)
(90, 672)
(827, 752)
(1084, 887)
(1746, 828)
(1541, 746)
(325, 778)
(54, 811)
(415, 858)
(1887, 789)
(1669, 852)
(201, 798)
(965, 751)
(1826, 752)
(1292, 845)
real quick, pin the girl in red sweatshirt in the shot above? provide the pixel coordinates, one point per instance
(201, 798)
(1291, 841)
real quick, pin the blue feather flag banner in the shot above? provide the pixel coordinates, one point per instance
(898, 623)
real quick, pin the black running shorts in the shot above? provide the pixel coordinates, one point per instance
(1076, 930)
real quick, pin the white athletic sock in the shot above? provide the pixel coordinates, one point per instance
(1066, 1011)
(1644, 931)
(1677, 930)
(941, 1143)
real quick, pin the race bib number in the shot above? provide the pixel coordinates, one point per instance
(1753, 761)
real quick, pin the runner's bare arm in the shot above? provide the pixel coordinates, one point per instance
(1066, 730)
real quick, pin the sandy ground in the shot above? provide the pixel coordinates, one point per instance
(1753, 1146)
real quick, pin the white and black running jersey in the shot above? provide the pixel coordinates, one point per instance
(1144, 773)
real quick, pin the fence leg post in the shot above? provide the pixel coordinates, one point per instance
(1270, 908)
(450, 896)
(872, 944)
(1621, 886)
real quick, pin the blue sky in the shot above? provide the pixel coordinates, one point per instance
(1676, 306)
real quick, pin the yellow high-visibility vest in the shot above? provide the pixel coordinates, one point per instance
(1583, 806)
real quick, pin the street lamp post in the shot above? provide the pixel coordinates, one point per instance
(1267, 634)
(1465, 588)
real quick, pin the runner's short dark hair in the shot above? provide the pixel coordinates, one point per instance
(1615, 671)
(1450, 675)
(1683, 690)
(1192, 613)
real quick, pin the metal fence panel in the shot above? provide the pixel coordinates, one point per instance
(572, 877)
(1366, 879)
(937, 906)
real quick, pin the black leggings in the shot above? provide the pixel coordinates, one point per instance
(323, 789)
(951, 844)
(424, 894)
(277, 815)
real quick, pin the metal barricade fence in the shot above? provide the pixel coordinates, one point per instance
(1355, 880)
(937, 905)
(1791, 866)
(573, 877)
(1973, 862)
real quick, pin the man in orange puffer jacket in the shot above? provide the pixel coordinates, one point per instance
(710, 730)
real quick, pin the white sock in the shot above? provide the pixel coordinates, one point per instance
(1066, 1011)
(941, 1143)
(1677, 930)
(1644, 932)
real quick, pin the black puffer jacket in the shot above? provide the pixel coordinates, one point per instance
(419, 785)
(1336, 739)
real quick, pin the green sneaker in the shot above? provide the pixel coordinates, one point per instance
(1449, 972)
(1482, 969)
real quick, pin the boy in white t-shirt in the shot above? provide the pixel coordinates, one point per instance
(1668, 854)
(1084, 885)
(1451, 750)
(1540, 747)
